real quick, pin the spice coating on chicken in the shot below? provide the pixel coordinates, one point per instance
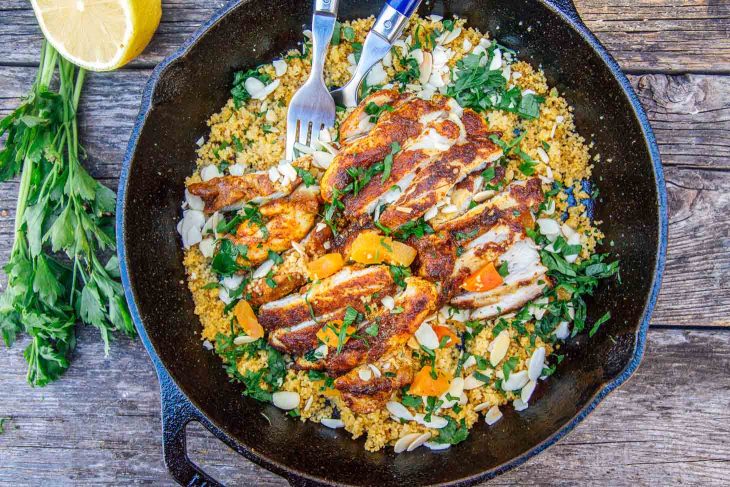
(403, 123)
(346, 288)
(284, 220)
(394, 329)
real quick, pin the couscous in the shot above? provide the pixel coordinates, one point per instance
(342, 307)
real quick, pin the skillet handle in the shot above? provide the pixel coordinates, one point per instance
(177, 412)
(568, 8)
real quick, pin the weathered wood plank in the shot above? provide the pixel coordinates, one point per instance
(691, 115)
(667, 426)
(645, 35)
(662, 36)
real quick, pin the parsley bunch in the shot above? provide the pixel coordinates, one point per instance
(63, 226)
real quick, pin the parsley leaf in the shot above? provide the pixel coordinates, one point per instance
(453, 433)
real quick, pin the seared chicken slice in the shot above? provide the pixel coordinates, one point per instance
(436, 256)
(479, 252)
(394, 329)
(402, 124)
(517, 198)
(348, 287)
(368, 387)
(286, 220)
(435, 180)
(524, 281)
(288, 276)
(230, 193)
(437, 137)
(472, 190)
(507, 300)
(358, 122)
(302, 337)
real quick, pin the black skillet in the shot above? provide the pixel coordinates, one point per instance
(194, 83)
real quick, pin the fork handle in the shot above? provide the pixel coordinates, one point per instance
(323, 26)
(326, 7)
(393, 18)
(405, 7)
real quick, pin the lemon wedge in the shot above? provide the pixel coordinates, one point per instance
(99, 35)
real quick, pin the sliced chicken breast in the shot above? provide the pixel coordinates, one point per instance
(524, 274)
(438, 136)
(394, 329)
(404, 123)
(302, 337)
(286, 220)
(348, 287)
(368, 387)
(289, 276)
(358, 122)
(435, 180)
(518, 197)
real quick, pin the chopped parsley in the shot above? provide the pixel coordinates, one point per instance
(481, 88)
(307, 178)
(260, 384)
(238, 92)
(453, 433)
(225, 260)
(375, 111)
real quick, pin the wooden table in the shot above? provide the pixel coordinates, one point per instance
(670, 424)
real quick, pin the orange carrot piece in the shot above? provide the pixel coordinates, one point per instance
(247, 319)
(372, 248)
(329, 334)
(483, 280)
(325, 266)
(425, 385)
(445, 331)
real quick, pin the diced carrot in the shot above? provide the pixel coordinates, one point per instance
(445, 331)
(247, 319)
(425, 385)
(484, 279)
(329, 334)
(372, 248)
(526, 219)
(325, 266)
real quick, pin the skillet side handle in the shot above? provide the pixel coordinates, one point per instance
(177, 412)
(568, 8)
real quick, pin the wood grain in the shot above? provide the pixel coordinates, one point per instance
(643, 35)
(667, 426)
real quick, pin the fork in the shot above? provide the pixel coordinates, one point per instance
(312, 108)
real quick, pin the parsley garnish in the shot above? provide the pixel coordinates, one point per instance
(307, 178)
(375, 110)
(453, 433)
(238, 92)
(399, 274)
(481, 89)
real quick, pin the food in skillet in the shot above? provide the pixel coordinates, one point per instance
(422, 265)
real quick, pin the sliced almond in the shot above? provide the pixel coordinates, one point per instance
(500, 345)
(403, 443)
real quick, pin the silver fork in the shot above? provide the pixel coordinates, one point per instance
(312, 108)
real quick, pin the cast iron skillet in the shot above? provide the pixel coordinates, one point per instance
(194, 83)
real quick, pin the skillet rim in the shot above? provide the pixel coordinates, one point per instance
(569, 16)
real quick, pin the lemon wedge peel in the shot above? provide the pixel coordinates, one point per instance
(98, 35)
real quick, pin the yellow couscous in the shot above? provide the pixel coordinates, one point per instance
(249, 135)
